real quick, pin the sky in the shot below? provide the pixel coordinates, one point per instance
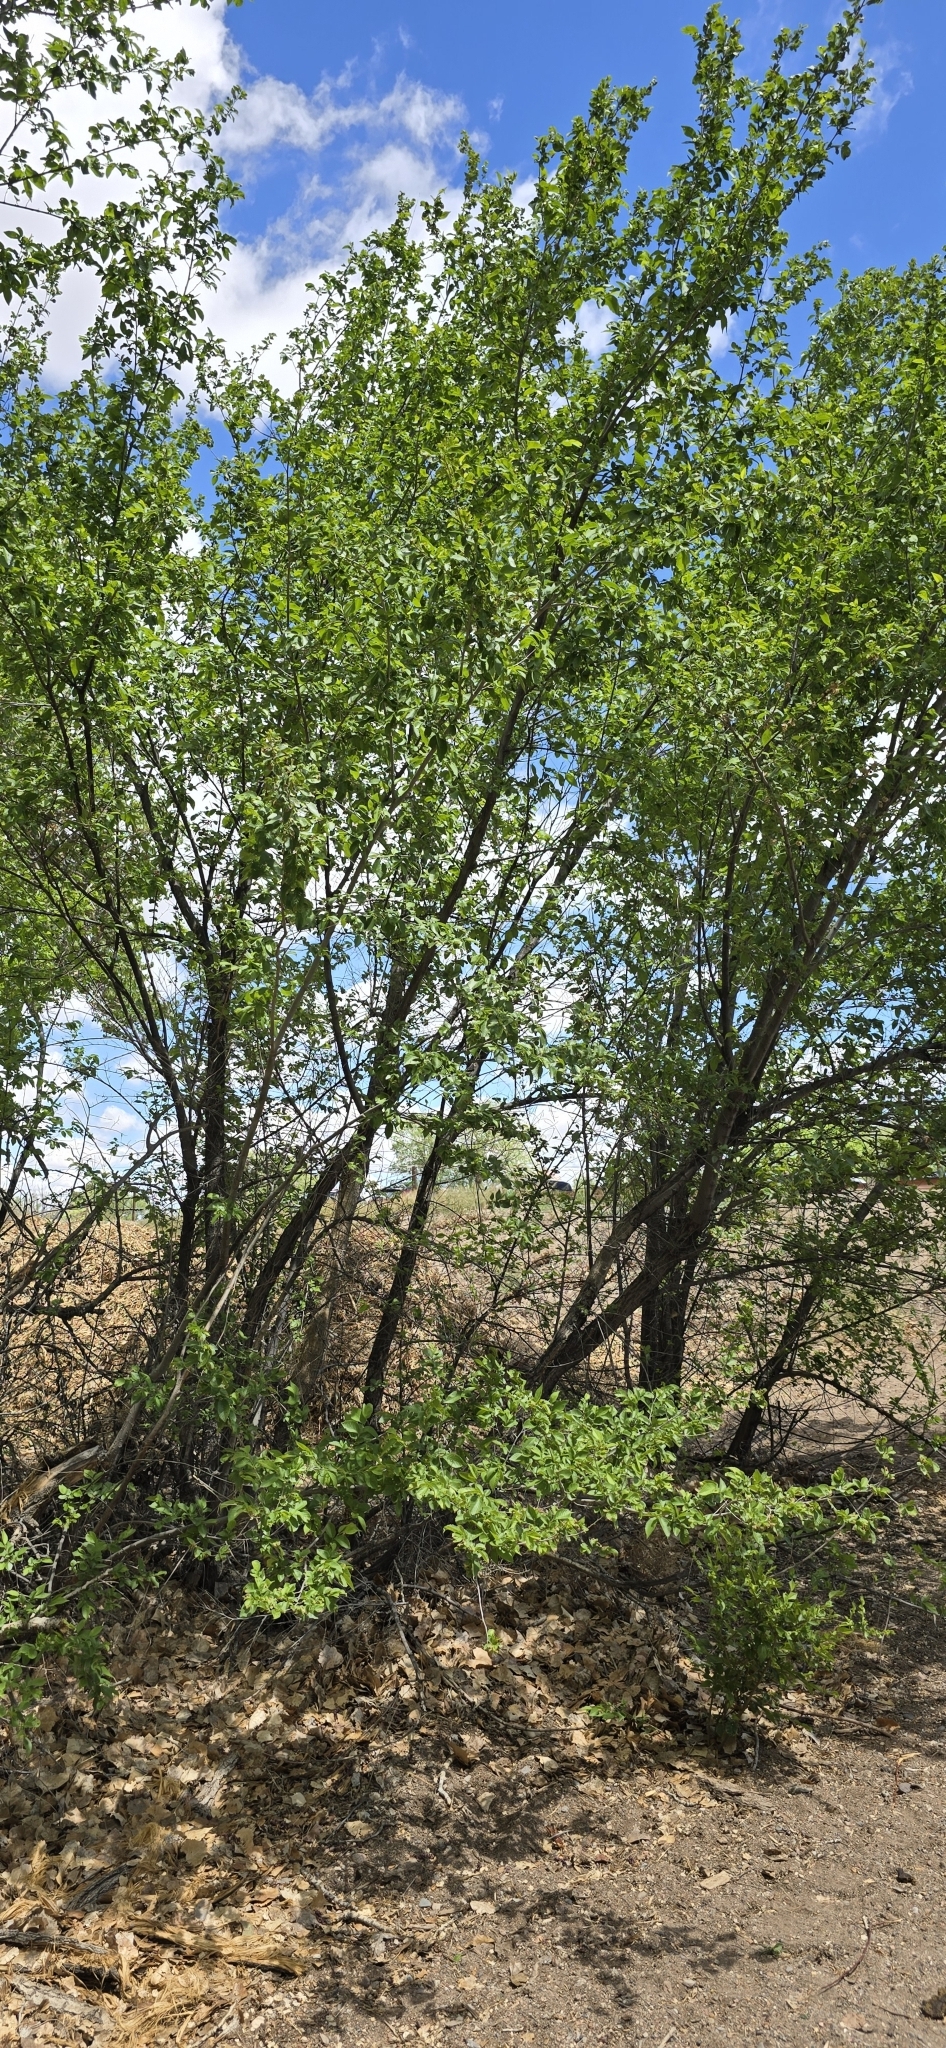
(348, 105)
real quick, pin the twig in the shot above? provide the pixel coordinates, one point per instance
(630, 1579)
(421, 1694)
(842, 1974)
(29, 1937)
(795, 1715)
(89, 1893)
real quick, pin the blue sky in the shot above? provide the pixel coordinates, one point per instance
(519, 65)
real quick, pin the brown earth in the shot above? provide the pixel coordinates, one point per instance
(384, 1830)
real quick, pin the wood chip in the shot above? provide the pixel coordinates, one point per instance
(37, 1994)
(255, 1954)
(712, 1884)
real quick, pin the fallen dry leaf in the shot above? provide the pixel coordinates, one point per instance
(53, 1781)
(127, 1951)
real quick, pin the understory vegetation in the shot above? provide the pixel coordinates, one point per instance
(472, 862)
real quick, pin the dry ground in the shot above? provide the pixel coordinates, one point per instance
(385, 1831)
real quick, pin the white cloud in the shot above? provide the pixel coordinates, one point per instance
(721, 338)
(263, 293)
(892, 83)
(277, 114)
(358, 153)
(594, 325)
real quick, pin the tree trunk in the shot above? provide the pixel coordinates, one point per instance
(776, 1368)
(663, 1331)
(740, 1449)
(664, 1310)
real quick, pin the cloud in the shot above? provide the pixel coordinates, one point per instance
(594, 325)
(276, 114)
(347, 155)
(359, 154)
(721, 338)
(264, 289)
(892, 83)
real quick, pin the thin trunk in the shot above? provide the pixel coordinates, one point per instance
(404, 1271)
(775, 1369)
(292, 1240)
(178, 1295)
(782, 1360)
(664, 1309)
(216, 1223)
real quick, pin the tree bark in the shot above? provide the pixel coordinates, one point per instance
(664, 1318)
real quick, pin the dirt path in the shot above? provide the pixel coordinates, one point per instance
(673, 1901)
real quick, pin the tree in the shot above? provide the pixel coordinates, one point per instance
(759, 970)
(149, 253)
(391, 628)
(519, 728)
